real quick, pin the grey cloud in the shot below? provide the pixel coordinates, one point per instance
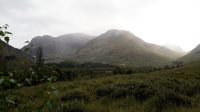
(12, 6)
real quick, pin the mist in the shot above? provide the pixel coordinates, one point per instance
(156, 21)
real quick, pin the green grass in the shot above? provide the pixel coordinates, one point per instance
(174, 90)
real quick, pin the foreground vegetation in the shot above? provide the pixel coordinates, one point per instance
(173, 90)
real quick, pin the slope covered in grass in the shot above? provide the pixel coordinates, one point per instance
(173, 90)
(192, 56)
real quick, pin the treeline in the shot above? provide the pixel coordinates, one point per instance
(132, 70)
(20, 74)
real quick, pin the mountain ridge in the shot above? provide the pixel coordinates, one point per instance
(58, 48)
(112, 46)
(115, 47)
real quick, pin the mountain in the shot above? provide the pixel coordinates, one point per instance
(120, 47)
(8, 51)
(175, 48)
(193, 55)
(59, 48)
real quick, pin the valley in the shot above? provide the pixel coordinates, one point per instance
(113, 72)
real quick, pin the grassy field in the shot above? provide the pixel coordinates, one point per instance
(172, 90)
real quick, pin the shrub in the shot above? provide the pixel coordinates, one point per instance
(75, 95)
(143, 91)
(70, 74)
(104, 91)
(140, 91)
(173, 98)
(193, 87)
(119, 93)
(167, 99)
(7, 83)
(74, 106)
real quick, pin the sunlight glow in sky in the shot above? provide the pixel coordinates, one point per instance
(156, 21)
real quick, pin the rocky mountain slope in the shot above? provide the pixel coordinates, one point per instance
(59, 48)
(120, 47)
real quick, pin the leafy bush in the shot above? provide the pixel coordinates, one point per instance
(172, 98)
(119, 93)
(143, 91)
(167, 99)
(104, 91)
(75, 95)
(7, 81)
(74, 106)
(70, 74)
(140, 91)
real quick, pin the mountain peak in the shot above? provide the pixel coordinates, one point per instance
(117, 32)
(59, 48)
(114, 34)
(75, 34)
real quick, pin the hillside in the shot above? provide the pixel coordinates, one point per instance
(175, 48)
(174, 90)
(120, 47)
(58, 48)
(192, 56)
(7, 50)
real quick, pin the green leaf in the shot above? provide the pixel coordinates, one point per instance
(2, 33)
(7, 39)
(8, 32)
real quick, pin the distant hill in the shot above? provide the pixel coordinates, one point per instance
(57, 49)
(120, 47)
(7, 50)
(193, 55)
(176, 49)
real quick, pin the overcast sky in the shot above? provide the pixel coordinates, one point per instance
(156, 21)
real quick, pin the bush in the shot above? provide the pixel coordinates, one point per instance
(70, 74)
(75, 95)
(7, 83)
(119, 93)
(167, 99)
(104, 91)
(193, 87)
(143, 91)
(140, 91)
(173, 98)
(74, 106)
